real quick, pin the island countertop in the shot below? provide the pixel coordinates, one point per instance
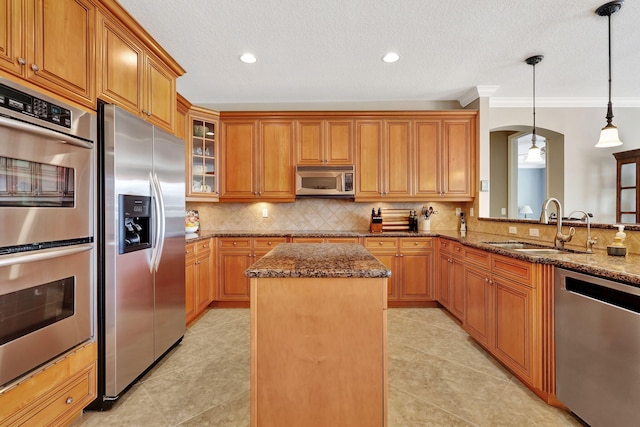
(318, 260)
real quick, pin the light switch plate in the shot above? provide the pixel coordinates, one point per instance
(471, 211)
(265, 213)
(513, 230)
(458, 210)
(484, 185)
(534, 232)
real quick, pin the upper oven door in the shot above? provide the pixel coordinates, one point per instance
(45, 184)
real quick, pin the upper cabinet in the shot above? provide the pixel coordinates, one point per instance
(422, 156)
(132, 77)
(257, 160)
(202, 155)
(51, 43)
(321, 142)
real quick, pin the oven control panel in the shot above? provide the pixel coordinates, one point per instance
(30, 105)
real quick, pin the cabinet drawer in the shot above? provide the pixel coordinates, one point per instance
(343, 240)
(445, 245)
(231, 242)
(308, 240)
(521, 271)
(477, 256)
(457, 249)
(190, 249)
(203, 246)
(408, 243)
(268, 242)
(374, 243)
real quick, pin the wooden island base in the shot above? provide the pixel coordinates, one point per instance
(318, 351)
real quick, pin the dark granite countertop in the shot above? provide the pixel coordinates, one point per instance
(623, 269)
(318, 260)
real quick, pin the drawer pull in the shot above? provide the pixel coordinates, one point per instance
(69, 400)
(416, 243)
(269, 243)
(380, 243)
(235, 243)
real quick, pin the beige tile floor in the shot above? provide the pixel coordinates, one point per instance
(438, 376)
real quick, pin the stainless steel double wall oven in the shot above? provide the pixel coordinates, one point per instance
(46, 232)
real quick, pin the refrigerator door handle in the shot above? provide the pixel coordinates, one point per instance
(162, 223)
(156, 223)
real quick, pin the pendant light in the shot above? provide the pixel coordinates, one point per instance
(609, 134)
(533, 155)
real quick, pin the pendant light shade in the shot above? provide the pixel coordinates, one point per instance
(534, 154)
(609, 134)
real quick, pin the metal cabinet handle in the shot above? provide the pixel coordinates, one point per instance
(35, 68)
(235, 243)
(269, 243)
(69, 400)
(416, 243)
(22, 61)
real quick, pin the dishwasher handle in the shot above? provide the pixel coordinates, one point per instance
(613, 293)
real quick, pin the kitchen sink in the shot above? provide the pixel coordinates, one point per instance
(530, 248)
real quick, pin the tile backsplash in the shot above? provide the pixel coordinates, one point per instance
(310, 215)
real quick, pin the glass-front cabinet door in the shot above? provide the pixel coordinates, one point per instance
(628, 187)
(202, 156)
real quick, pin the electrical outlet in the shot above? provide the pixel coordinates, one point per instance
(534, 232)
(503, 211)
(265, 213)
(513, 230)
(470, 211)
(458, 210)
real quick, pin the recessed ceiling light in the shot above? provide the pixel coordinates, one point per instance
(248, 58)
(391, 57)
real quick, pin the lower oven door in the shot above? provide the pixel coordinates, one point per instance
(45, 307)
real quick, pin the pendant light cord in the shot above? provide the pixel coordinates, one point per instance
(609, 105)
(533, 138)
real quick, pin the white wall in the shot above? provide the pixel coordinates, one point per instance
(590, 173)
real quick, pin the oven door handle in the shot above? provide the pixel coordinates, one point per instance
(34, 256)
(43, 132)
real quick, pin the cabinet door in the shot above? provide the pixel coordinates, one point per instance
(444, 279)
(397, 159)
(391, 262)
(477, 305)
(427, 167)
(456, 284)
(276, 172)
(11, 36)
(204, 276)
(339, 142)
(457, 156)
(514, 313)
(310, 142)
(64, 48)
(202, 158)
(238, 154)
(120, 65)
(417, 281)
(232, 284)
(190, 280)
(160, 94)
(369, 159)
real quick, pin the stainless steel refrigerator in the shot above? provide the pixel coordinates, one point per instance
(141, 291)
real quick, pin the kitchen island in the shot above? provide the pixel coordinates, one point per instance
(318, 336)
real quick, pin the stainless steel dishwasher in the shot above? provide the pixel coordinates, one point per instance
(597, 335)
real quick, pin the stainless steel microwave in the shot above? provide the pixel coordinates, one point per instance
(325, 181)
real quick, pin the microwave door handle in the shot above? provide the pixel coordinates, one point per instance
(24, 258)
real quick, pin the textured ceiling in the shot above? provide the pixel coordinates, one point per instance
(330, 50)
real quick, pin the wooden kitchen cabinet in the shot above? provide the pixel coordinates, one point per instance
(202, 156)
(411, 262)
(450, 284)
(325, 240)
(235, 255)
(257, 161)
(132, 77)
(51, 43)
(56, 395)
(324, 142)
(199, 277)
(445, 158)
(369, 160)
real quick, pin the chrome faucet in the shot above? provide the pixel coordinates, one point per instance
(560, 238)
(590, 241)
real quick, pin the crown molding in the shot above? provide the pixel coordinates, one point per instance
(475, 93)
(585, 102)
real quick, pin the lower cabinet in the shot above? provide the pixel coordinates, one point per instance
(411, 263)
(54, 396)
(502, 311)
(450, 284)
(199, 277)
(235, 255)
(325, 240)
